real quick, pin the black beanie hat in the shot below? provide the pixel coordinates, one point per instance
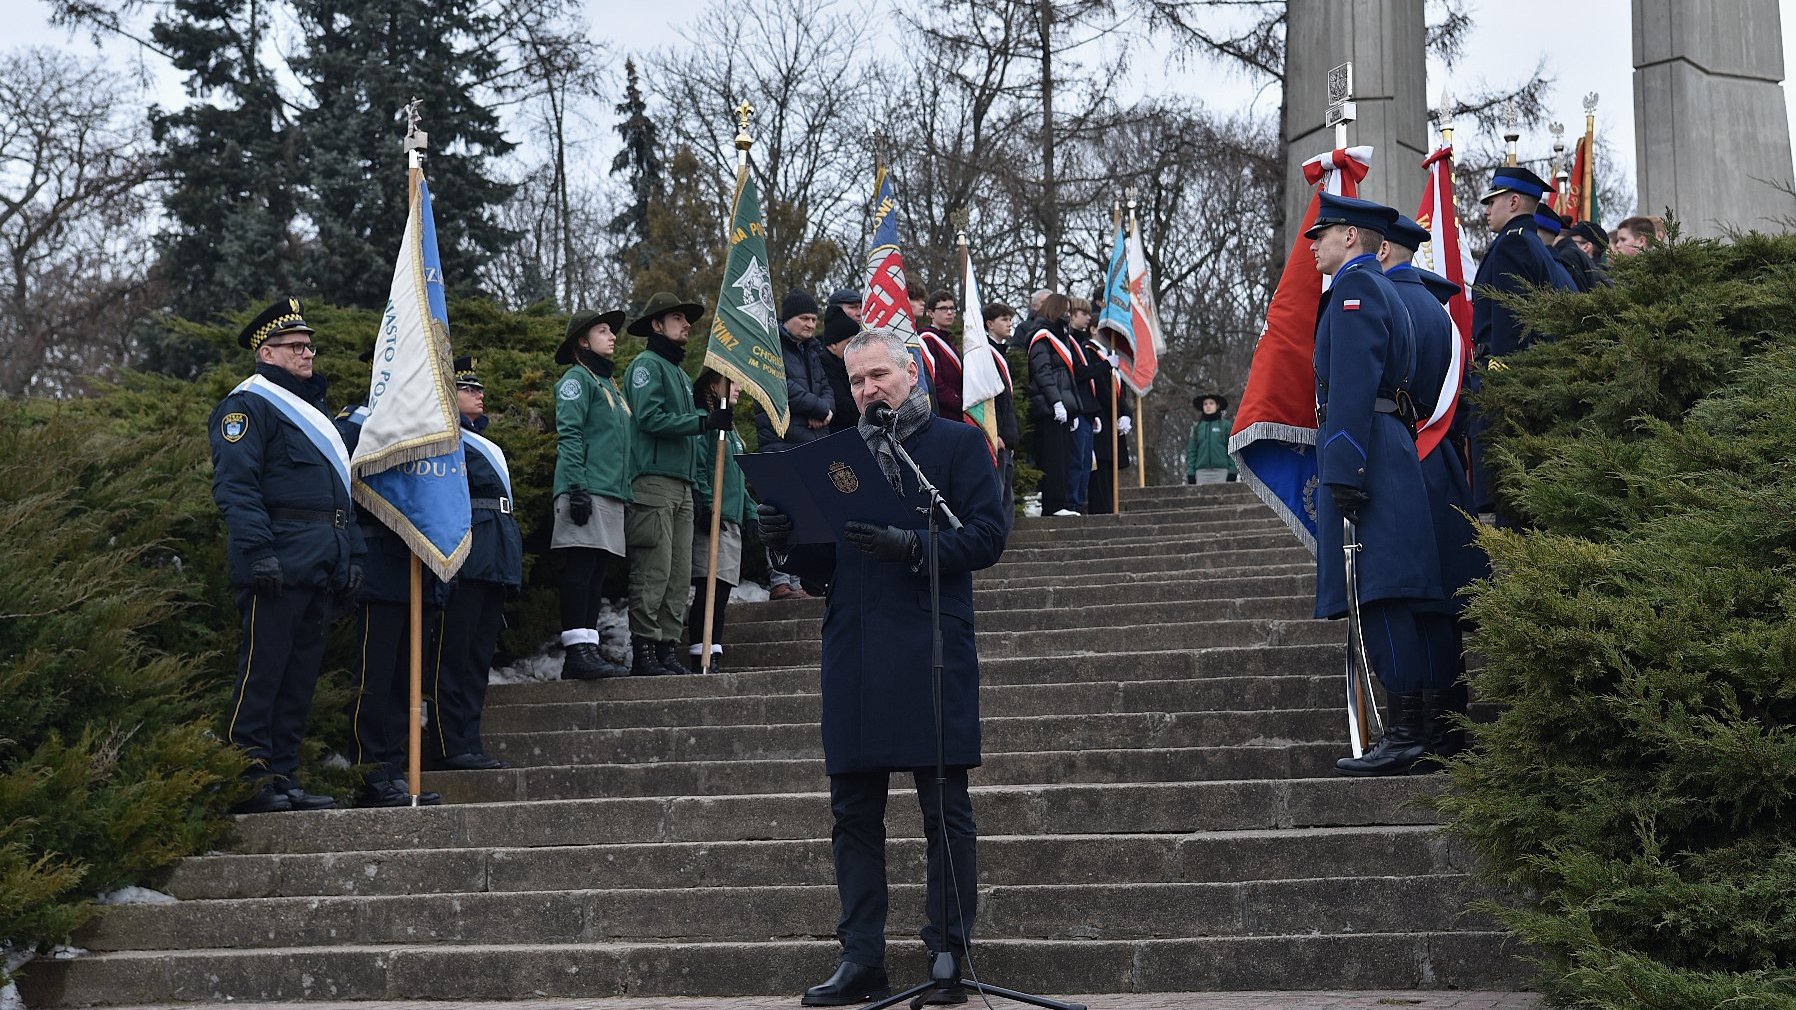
(798, 303)
(838, 326)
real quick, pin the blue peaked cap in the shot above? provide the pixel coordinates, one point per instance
(1440, 287)
(1514, 179)
(1546, 220)
(1354, 212)
(1408, 234)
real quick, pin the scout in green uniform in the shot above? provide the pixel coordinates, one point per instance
(738, 510)
(592, 483)
(1207, 459)
(664, 460)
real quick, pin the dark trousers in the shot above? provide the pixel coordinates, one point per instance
(1394, 643)
(1445, 647)
(858, 800)
(277, 669)
(456, 685)
(381, 674)
(1007, 481)
(695, 614)
(582, 576)
(1078, 465)
(1102, 500)
(1053, 453)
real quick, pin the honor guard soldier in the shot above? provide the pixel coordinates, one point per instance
(475, 610)
(665, 460)
(878, 711)
(1516, 261)
(381, 665)
(1365, 361)
(1547, 226)
(280, 476)
(1462, 561)
(592, 484)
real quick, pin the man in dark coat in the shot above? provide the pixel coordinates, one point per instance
(1366, 457)
(1110, 449)
(280, 477)
(1462, 561)
(1000, 319)
(878, 714)
(812, 399)
(1053, 404)
(838, 328)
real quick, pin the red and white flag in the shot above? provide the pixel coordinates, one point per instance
(1445, 253)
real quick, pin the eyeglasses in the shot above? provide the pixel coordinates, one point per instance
(299, 346)
(942, 308)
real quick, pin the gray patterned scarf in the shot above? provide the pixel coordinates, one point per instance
(912, 414)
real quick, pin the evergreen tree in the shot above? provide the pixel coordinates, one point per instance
(364, 61)
(640, 163)
(230, 157)
(683, 243)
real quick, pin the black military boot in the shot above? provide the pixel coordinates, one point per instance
(852, 983)
(577, 662)
(1402, 744)
(596, 661)
(1436, 717)
(642, 658)
(668, 655)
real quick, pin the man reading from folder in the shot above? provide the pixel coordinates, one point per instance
(878, 710)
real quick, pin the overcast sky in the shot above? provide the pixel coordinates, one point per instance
(1585, 44)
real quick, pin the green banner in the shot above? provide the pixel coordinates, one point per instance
(745, 336)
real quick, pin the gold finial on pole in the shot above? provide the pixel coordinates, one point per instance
(1445, 124)
(416, 140)
(743, 140)
(1512, 119)
(959, 218)
(1590, 111)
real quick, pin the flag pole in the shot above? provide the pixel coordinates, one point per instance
(743, 143)
(1140, 398)
(1587, 185)
(1116, 390)
(415, 141)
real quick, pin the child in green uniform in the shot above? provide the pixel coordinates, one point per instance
(1207, 458)
(738, 510)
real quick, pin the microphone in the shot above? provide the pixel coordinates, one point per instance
(879, 415)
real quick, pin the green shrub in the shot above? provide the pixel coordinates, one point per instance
(1638, 790)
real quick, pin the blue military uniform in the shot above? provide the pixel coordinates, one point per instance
(280, 479)
(381, 666)
(878, 713)
(476, 608)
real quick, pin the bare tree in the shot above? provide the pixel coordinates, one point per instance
(74, 189)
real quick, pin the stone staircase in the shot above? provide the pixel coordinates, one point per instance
(1158, 813)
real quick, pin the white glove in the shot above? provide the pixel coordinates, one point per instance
(1114, 358)
(1097, 426)
(1060, 412)
(1124, 425)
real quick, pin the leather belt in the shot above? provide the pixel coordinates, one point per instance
(327, 517)
(496, 504)
(1382, 405)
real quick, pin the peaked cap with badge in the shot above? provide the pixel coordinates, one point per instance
(1514, 179)
(465, 375)
(578, 326)
(1408, 234)
(660, 304)
(284, 316)
(1352, 212)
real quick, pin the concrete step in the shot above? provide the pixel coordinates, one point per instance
(1129, 808)
(1408, 960)
(1124, 577)
(1200, 857)
(1232, 519)
(1253, 550)
(1127, 552)
(1187, 695)
(1146, 730)
(1072, 617)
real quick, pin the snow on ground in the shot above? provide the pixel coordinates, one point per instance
(135, 896)
(1032, 504)
(11, 960)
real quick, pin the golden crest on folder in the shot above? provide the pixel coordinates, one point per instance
(844, 478)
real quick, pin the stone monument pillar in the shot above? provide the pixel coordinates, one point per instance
(1710, 128)
(1385, 41)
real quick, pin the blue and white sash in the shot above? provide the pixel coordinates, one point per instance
(307, 418)
(490, 451)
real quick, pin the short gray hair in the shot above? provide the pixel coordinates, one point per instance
(883, 337)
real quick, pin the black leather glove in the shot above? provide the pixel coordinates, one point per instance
(354, 585)
(885, 543)
(579, 506)
(1231, 478)
(776, 527)
(1348, 501)
(722, 419)
(265, 577)
(1191, 478)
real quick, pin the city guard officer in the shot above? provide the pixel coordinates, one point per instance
(1366, 456)
(280, 476)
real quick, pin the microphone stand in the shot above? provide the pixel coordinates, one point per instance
(941, 969)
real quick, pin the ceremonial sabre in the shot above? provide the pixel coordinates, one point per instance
(1361, 709)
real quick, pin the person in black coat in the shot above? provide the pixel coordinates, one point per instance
(1110, 449)
(475, 612)
(280, 477)
(808, 392)
(878, 714)
(1000, 321)
(838, 328)
(1053, 405)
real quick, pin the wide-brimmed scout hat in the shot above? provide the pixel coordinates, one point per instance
(1222, 402)
(578, 326)
(660, 304)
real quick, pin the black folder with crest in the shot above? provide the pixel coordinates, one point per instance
(826, 484)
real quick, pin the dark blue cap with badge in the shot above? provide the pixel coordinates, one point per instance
(283, 316)
(465, 376)
(1408, 234)
(1440, 287)
(1546, 220)
(1352, 212)
(1514, 179)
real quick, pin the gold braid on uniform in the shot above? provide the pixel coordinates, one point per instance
(273, 326)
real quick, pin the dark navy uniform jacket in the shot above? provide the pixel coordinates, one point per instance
(1365, 350)
(1443, 472)
(262, 461)
(1517, 260)
(498, 551)
(877, 708)
(386, 572)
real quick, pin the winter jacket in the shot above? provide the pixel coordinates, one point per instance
(593, 432)
(808, 394)
(1208, 447)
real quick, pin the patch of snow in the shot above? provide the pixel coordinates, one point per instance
(1032, 504)
(749, 592)
(614, 643)
(336, 760)
(136, 896)
(63, 952)
(13, 961)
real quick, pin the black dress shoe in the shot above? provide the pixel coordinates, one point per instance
(852, 983)
(299, 799)
(465, 763)
(392, 793)
(267, 800)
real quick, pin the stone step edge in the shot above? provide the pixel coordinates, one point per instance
(985, 720)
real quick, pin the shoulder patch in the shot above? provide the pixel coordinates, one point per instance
(570, 389)
(639, 376)
(233, 426)
(1350, 304)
